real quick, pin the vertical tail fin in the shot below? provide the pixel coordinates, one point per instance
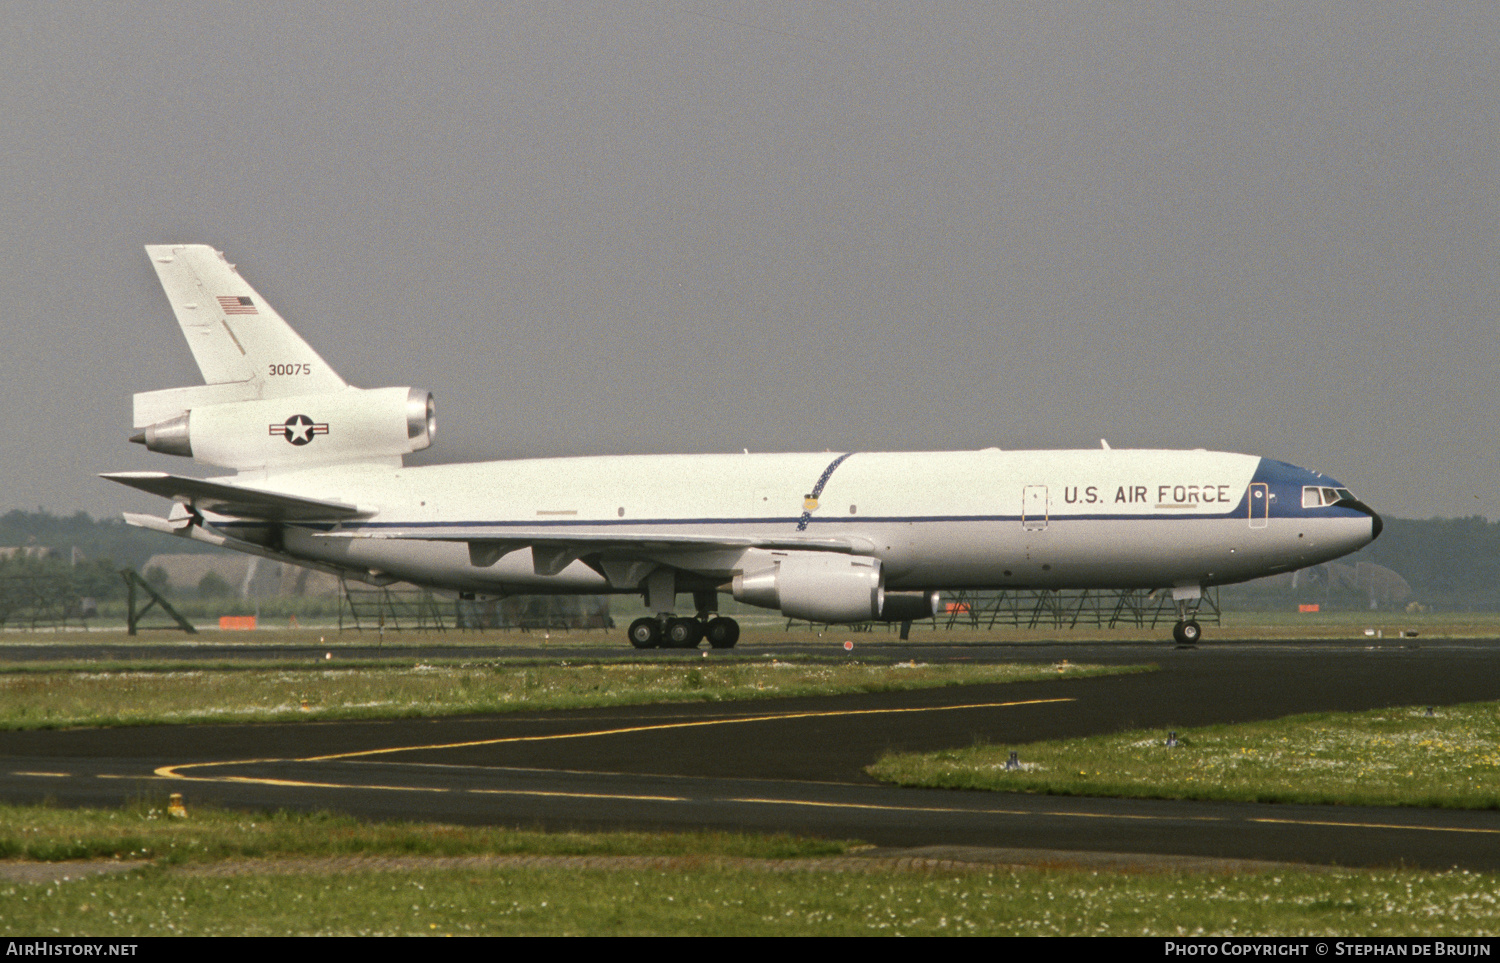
(235, 336)
(268, 394)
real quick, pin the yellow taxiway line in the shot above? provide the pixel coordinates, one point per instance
(178, 773)
(175, 772)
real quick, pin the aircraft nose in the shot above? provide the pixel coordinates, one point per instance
(1377, 524)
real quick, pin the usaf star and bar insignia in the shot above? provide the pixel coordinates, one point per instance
(299, 429)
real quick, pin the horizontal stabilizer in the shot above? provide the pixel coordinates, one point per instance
(235, 501)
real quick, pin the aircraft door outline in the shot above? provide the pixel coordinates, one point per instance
(1260, 505)
(1034, 508)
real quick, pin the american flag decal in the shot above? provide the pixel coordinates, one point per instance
(237, 304)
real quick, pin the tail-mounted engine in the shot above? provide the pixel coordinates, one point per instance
(377, 424)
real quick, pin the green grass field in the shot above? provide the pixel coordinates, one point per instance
(707, 900)
(33, 698)
(201, 880)
(1386, 757)
(143, 831)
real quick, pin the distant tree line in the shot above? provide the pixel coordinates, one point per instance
(56, 568)
(1441, 564)
(110, 539)
(55, 588)
(1451, 563)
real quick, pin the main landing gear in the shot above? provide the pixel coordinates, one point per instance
(669, 632)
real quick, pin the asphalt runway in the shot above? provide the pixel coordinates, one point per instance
(797, 765)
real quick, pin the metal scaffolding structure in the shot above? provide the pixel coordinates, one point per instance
(38, 602)
(402, 607)
(534, 613)
(1059, 609)
(1070, 608)
(134, 614)
(397, 608)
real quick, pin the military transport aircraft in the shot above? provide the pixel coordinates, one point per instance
(833, 537)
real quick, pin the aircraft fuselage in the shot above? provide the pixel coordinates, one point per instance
(947, 520)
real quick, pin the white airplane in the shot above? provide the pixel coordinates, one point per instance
(832, 537)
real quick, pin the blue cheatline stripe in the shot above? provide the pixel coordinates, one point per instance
(1333, 511)
(817, 491)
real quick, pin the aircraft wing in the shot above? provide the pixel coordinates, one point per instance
(553, 550)
(236, 501)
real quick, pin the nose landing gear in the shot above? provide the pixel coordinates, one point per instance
(1187, 632)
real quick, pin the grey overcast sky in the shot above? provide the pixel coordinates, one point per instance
(667, 226)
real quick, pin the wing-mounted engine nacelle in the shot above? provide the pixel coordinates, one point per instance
(343, 426)
(817, 587)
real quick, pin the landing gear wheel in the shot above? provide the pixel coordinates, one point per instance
(645, 633)
(1187, 633)
(723, 632)
(684, 633)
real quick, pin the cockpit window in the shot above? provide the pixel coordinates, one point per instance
(1316, 497)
